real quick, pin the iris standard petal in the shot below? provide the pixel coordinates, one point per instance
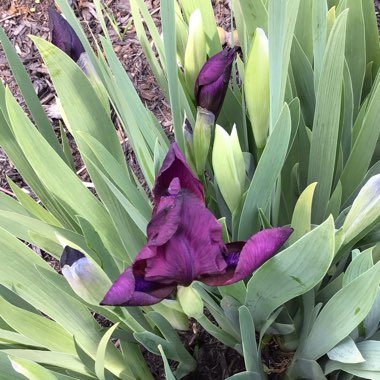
(165, 220)
(130, 291)
(194, 250)
(255, 252)
(175, 166)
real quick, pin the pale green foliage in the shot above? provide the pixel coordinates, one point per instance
(305, 154)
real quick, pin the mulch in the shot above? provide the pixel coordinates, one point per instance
(21, 18)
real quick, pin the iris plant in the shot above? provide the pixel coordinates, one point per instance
(212, 82)
(185, 243)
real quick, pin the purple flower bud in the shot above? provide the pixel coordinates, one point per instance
(63, 35)
(212, 82)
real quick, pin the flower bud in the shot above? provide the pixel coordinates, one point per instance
(229, 166)
(202, 138)
(84, 276)
(364, 212)
(191, 302)
(63, 35)
(212, 82)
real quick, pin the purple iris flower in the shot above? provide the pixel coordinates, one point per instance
(63, 35)
(212, 82)
(185, 243)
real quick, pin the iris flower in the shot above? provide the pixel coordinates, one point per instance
(212, 82)
(185, 243)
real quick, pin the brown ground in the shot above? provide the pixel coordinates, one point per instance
(20, 18)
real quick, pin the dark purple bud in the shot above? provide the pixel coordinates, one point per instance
(212, 82)
(63, 35)
(70, 256)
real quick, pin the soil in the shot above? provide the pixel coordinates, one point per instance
(21, 18)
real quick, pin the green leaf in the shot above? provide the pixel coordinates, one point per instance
(29, 94)
(45, 332)
(169, 37)
(345, 310)
(32, 206)
(31, 370)
(369, 369)
(360, 264)
(251, 354)
(101, 353)
(303, 369)
(371, 35)
(356, 49)
(56, 359)
(21, 272)
(282, 20)
(207, 11)
(87, 113)
(246, 376)
(346, 352)
(303, 30)
(66, 147)
(326, 120)
(319, 27)
(6, 370)
(284, 277)
(58, 177)
(301, 219)
(364, 145)
(255, 15)
(168, 372)
(266, 174)
(13, 338)
(187, 362)
(304, 81)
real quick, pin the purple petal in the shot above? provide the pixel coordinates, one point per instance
(212, 82)
(63, 35)
(215, 66)
(211, 96)
(175, 166)
(130, 291)
(165, 220)
(255, 252)
(194, 250)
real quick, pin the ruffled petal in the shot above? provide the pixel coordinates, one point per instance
(130, 291)
(255, 252)
(165, 220)
(175, 166)
(194, 250)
